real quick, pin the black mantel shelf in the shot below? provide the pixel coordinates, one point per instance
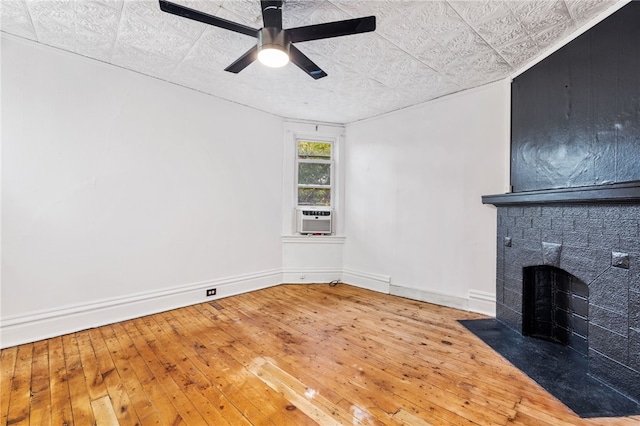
(628, 192)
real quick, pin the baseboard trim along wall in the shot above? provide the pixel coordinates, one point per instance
(311, 275)
(430, 297)
(375, 282)
(482, 302)
(34, 326)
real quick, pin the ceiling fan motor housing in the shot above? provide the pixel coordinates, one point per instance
(273, 38)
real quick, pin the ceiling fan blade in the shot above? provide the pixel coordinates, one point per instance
(243, 61)
(185, 12)
(332, 29)
(272, 13)
(304, 63)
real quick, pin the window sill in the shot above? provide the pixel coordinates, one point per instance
(313, 239)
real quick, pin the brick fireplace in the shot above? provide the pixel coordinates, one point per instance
(568, 238)
(594, 244)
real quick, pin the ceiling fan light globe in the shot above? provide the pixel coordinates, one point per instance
(273, 57)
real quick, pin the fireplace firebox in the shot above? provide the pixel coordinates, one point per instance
(555, 307)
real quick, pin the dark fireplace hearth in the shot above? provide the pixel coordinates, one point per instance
(560, 370)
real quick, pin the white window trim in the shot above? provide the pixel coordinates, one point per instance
(321, 132)
(331, 162)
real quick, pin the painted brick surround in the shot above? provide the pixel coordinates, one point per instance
(575, 200)
(600, 245)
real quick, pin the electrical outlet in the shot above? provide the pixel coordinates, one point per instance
(211, 292)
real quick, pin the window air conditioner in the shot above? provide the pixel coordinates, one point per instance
(314, 221)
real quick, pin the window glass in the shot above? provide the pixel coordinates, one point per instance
(314, 197)
(314, 173)
(314, 150)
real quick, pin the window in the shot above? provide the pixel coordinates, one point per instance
(312, 173)
(314, 164)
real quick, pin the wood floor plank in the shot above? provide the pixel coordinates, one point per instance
(95, 382)
(60, 396)
(410, 419)
(40, 413)
(300, 355)
(140, 401)
(20, 397)
(155, 397)
(8, 358)
(78, 392)
(320, 409)
(369, 415)
(103, 412)
(559, 417)
(118, 395)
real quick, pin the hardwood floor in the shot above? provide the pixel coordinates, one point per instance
(288, 355)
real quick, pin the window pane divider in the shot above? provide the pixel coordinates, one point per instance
(301, 160)
(302, 185)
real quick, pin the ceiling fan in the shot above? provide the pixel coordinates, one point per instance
(275, 45)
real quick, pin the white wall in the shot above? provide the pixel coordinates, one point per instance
(124, 195)
(414, 180)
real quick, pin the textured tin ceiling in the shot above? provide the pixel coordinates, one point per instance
(420, 51)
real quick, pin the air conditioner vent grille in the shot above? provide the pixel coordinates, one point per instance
(314, 221)
(317, 226)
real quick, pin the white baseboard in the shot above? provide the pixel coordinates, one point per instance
(311, 275)
(375, 282)
(430, 297)
(482, 302)
(34, 326)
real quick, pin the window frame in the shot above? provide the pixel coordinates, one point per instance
(294, 130)
(331, 163)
